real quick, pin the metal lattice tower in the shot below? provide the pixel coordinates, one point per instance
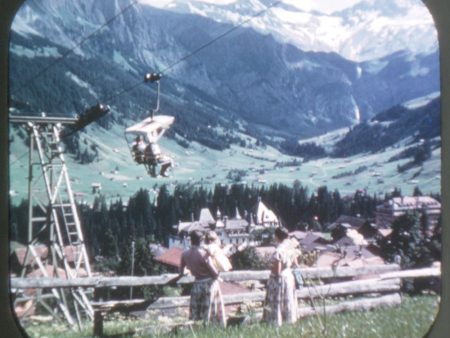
(53, 220)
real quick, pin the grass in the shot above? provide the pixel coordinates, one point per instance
(412, 319)
(200, 165)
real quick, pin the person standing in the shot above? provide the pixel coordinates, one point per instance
(206, 301)
(281, 302)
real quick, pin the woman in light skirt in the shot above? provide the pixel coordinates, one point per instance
(281, 302)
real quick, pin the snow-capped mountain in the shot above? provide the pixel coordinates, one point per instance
(359, 30)
(237, 102)
(253, 76)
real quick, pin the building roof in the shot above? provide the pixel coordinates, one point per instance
(345, 220)
(384, 232)
(328, 259)
(20, 252)
(264, 214)
(351, 256)
(368, 229)
(313, 237)
(72, 252)
(318, 247)
(191, 226)
(412, 202)
(298, 234)
(157, 249)
(206, 216)
(50, 272)
(235, 224)
(171, 256)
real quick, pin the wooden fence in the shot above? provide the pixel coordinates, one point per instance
(368, 286)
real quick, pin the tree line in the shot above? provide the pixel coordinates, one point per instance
(149, 216)
(108, 227)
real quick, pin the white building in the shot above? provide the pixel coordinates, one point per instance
(236, 231)
(388, 211)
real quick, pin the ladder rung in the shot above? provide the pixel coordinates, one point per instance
(39, 219)
(62, 205)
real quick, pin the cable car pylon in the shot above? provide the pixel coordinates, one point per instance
(53, 222)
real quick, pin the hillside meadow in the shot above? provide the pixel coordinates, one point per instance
(412, 319)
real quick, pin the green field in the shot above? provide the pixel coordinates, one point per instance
(412, 319)
(121, 177)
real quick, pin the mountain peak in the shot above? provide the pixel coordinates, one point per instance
(359, 30)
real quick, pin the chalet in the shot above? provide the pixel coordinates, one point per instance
(314, 241)
(339, 228)
(384, 232)
(236, 231)
(387, 212)
(298, 235)
(368, 230)
(354, 222)
(96, 187)
(345, 241)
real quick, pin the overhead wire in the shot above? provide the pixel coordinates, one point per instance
(165, 70)
(232, 29)
(18, 158)
(200, 48)
(77, 45)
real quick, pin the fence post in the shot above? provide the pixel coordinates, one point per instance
(98, 314)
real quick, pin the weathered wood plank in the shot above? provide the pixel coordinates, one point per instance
(347, 271)
(353, 305)
(347, 306)
(105, 305)
(330, 290)
(96, 282)
(417, 273)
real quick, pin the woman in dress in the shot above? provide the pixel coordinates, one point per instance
(281, 302)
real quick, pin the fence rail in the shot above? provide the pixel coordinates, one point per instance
(232, 276)
(384, 281)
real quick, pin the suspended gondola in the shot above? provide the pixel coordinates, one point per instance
(142, 138)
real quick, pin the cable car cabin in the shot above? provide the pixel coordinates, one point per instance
(142, 139)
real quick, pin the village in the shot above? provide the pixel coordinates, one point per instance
(349, 242)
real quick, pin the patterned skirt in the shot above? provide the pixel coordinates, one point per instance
(281, 302)
(206, 302)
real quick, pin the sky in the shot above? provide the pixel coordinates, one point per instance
(325, 6)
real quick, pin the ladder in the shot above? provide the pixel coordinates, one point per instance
(60, 228)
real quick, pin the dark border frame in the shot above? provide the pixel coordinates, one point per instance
(440, 10)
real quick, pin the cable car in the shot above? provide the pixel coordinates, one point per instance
(142, 138)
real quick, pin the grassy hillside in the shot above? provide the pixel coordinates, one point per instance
(411, 319)
(197, 164)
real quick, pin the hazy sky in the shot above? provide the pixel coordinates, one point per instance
(325, 6)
